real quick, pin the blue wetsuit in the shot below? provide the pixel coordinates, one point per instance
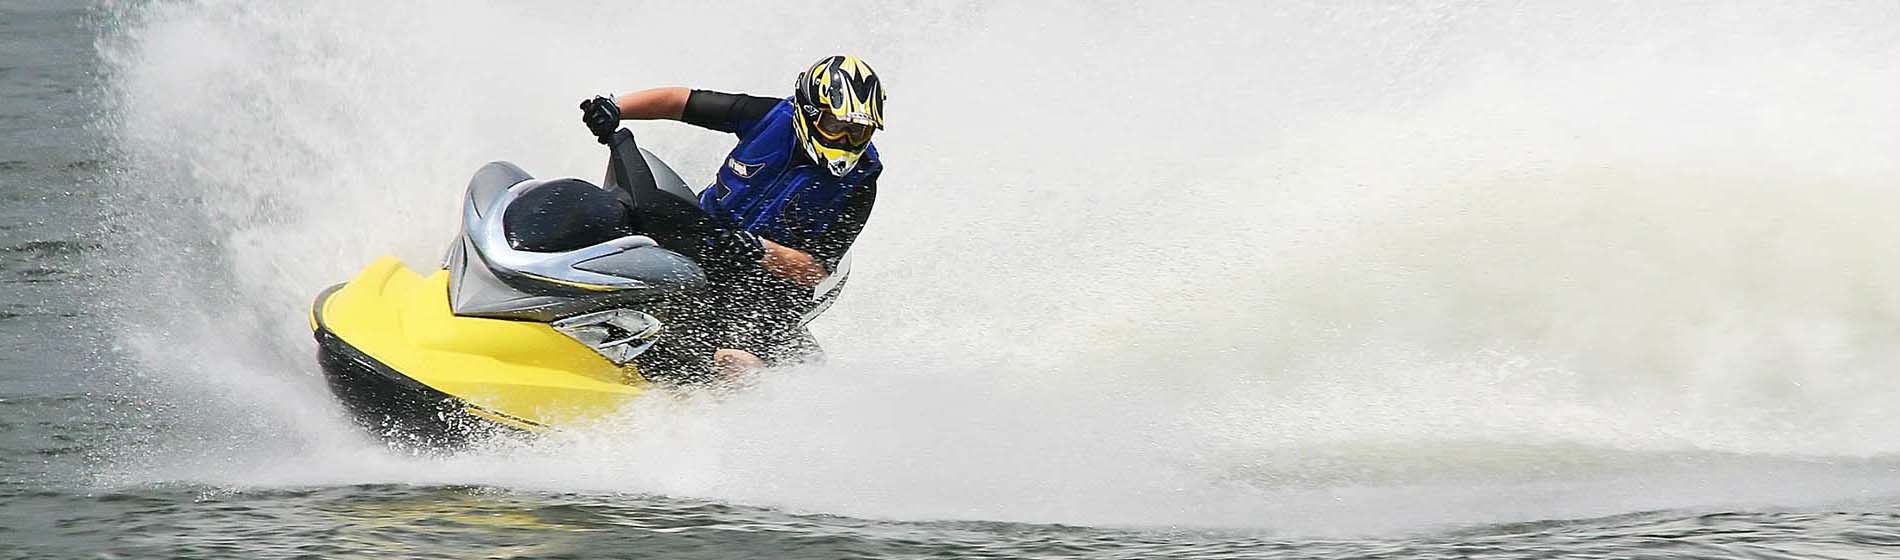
(768, 186)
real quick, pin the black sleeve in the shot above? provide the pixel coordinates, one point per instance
(829, 247)
(725, 112)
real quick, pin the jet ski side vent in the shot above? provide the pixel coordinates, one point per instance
(619, 335)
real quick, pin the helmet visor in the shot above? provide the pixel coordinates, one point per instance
(842, 134)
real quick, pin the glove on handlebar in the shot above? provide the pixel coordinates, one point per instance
(602, 117)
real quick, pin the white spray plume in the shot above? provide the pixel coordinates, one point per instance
(1288, 266)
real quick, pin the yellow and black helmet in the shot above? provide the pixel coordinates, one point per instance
(839, 103)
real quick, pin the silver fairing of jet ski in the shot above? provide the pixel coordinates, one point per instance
(505, 283)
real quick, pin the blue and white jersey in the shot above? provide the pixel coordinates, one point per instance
(768, 186)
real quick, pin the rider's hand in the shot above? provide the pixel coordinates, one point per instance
(732, 247)
(602, 117)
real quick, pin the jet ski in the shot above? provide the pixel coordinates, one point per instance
(544, 314)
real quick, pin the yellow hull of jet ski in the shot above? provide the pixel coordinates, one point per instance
(402, 362)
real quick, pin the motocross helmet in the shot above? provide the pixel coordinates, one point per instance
(839, 103)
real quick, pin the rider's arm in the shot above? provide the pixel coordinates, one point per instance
(656, 103)
(810, 267)
(792, 264)
(724, 112)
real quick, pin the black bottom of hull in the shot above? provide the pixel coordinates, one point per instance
(405, 414)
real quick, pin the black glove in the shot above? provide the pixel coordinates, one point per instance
(732, 247)
(602, 117)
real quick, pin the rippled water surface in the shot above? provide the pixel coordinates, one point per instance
(460, 522)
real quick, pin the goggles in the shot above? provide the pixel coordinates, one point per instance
(837, 133)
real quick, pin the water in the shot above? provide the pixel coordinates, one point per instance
(1491, 279)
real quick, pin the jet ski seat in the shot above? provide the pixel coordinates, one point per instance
(561, 215)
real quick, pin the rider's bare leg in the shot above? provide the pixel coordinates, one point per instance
(730, 363)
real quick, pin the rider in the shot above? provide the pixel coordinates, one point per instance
(795, 193)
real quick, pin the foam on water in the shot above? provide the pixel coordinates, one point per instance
(1289, 266)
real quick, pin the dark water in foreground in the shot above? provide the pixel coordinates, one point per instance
(460, 522)
(76, 432)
